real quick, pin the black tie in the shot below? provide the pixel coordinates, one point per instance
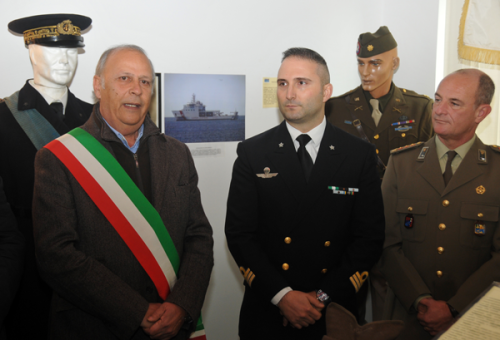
(447, 170)
(304, 156)
(58, 109)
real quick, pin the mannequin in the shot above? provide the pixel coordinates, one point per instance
(52, 41)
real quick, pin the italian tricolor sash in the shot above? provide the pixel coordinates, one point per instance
(125, 207)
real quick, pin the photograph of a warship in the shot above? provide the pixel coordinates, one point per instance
(195, 110)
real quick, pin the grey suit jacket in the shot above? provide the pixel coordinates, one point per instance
(440, 255)
(101, 290)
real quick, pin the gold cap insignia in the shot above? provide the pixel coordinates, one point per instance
(370, 48)
(480, 190)
(63, 28)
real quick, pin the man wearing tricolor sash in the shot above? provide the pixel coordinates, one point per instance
(120, 232)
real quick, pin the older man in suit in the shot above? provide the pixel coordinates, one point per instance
(120, 232)
(304, 215)
(442, 207)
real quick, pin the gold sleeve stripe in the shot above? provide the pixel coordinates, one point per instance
(357, 280)
(248, 275)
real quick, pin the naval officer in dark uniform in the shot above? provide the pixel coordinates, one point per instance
(304, 214)
(53, 42)
(378, 111)
(442, 204)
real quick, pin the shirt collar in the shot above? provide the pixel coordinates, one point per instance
(132, 148)
(316, 133)
(63, 100)
(462, 150)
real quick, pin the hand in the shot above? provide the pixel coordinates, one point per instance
(434, 315)
(300, 309)
(145, 324)
(167, 319)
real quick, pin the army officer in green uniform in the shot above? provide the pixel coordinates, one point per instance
(442, 203)
(378, 111)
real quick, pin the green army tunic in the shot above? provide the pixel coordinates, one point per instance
(403, 106)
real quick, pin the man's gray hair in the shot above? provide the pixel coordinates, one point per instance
(485, 88)
(101, 64)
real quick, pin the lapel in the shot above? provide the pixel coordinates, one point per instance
(283, 157)
(470, 168)
(359, 108)
(396, 106)
(429, 168)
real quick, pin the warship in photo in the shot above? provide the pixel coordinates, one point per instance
(195, 110)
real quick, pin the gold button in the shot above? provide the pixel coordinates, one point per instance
(285, 266)
(403, 135)
(288, 240)
(327, 243)
(410, 208)
(480, 215)
(377, 151)
(446, 203)
(442, 226)
(440, 250)
(376, 137)
(439, 273)
(324, 271)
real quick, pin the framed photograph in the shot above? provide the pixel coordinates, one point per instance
(204, 108)
(155, 110)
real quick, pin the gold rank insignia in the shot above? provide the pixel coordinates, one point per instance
(480, 190)
(398, 100)
(356, 99)
(357, 280)
(248, 275)
(406, 147)
(495, 148)
(369, 48)
(267, 173)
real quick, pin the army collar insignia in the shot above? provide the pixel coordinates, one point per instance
(423, 153)
(332, 147)
(267, 173)
(281, 145)
(481, 155)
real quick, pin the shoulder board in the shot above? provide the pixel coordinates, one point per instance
(405, 148)
(345, 94)
(495, 148)
(414, 94)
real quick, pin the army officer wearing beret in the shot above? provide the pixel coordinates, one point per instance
(442, 204)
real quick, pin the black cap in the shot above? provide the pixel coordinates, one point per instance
(370, 44)
(52, 30)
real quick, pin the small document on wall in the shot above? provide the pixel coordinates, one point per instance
(269, 88)
(481, 320)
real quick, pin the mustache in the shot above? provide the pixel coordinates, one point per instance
(292, 102)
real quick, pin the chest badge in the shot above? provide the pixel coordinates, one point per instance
(267, 173)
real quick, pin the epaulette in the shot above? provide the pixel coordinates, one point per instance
(495, 148)
(414, 94)
(405, 148)
(345, 94)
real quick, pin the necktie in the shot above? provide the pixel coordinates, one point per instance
(376, 114)
(447, 170)
(304, 156)
(57, 108)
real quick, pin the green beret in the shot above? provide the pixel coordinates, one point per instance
(370, 44)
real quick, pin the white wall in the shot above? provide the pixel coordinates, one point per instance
(233, 37)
